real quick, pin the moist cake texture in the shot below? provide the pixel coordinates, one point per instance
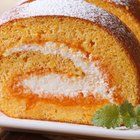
(62, 60)
(128, 11)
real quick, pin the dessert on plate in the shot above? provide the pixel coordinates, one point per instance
(61, 60)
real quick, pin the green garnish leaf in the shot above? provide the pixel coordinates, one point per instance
(138, 115)
(107, 117)
(128, 114)
(112, 116)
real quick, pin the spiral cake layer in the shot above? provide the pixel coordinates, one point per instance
(62, 60)
(128, 11)
(91, 82)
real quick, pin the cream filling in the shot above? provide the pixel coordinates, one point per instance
(94, 82)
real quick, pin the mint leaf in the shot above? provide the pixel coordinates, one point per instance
(138, 115)
(112, 116)
(108, 116)
(128, 114)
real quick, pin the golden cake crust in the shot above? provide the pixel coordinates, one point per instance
(128, 11)
(133, 6)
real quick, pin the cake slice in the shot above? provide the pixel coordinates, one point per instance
(61, 60)
(127, 10)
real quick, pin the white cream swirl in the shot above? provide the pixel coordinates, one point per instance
(94, 81)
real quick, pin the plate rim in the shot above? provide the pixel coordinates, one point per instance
(67, 128)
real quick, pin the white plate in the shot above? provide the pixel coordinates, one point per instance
(65, 128)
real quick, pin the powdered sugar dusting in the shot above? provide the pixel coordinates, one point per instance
(118, 2)
(82, 10)
(132, 6)
(121, 2)
(70, 8)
